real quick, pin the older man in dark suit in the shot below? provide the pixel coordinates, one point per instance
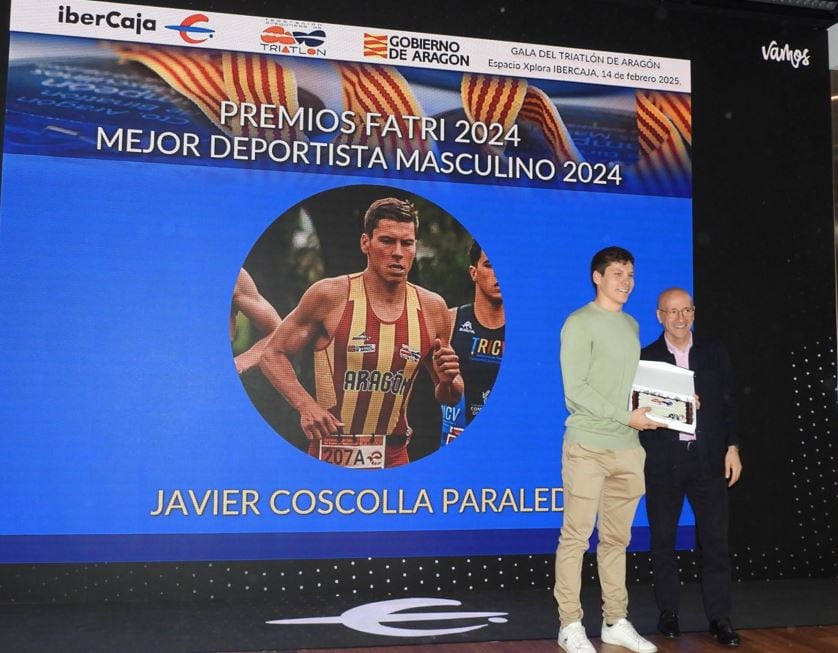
(701, 467)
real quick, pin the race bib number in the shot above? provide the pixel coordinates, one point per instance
(354, 451)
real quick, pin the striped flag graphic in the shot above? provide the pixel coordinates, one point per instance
(490, 99)
(664, 163)
(260, 80)
(381, 90)
(210, 78)
(678, 108)
(196, 75)
(375, 45)
(503, 100)
(540, 111)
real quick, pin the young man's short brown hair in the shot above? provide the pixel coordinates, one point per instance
(390, 208)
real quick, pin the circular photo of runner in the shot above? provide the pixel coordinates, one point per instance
(367, 326)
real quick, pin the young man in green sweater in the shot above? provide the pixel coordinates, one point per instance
(602, 460)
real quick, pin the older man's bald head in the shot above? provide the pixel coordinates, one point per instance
(676, 313)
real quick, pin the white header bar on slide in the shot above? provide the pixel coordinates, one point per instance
(295, 38)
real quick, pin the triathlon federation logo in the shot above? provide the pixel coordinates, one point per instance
(372, 618)
(190, 31)
(277, 34)
(300, 39)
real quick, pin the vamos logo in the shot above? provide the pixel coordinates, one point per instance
(373, 618)
(415, 49)
(774, 52)
(112, 19)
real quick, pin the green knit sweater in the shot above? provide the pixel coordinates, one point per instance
(599, 355)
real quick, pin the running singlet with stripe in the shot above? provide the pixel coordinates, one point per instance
(480, 351)
(365, 374)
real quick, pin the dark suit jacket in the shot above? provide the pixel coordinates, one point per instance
(716, 417)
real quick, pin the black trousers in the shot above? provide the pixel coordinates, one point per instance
(665, 492)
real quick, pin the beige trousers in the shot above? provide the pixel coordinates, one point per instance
(603, 485)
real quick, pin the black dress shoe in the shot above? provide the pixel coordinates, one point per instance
(668, 624)
(723, 631)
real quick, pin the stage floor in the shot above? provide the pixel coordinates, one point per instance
(508, 616)
(809, 639)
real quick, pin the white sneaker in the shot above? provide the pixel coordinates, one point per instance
(572, 639)
(623, 634)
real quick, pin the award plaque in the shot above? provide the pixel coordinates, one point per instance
(669, 393)
(354, 451)
(678, 414)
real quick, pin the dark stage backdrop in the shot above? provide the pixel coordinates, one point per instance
(764, 281)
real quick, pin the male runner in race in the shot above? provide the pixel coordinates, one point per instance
(370, 331)
(477, 338)
(248, 302)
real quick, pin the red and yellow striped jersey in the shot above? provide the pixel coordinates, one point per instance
(365, 374)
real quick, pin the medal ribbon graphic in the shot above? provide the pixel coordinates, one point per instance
(664, 159)
(504, 100)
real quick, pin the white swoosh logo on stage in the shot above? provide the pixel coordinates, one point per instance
(372, 617)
